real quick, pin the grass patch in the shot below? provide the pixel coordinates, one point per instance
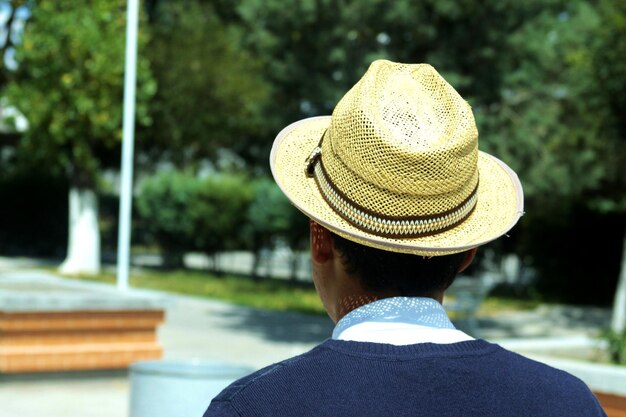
(270, 294)
(265, 293)
(496, 304)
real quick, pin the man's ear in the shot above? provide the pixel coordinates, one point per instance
(469, 257)
(321, 243)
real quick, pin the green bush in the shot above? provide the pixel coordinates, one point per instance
(163, 205)
(268, 213)
(616, 346)
(271, 217)
(267, 217)
(218, 212)
(185, 213)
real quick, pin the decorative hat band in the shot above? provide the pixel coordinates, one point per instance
(379, 224)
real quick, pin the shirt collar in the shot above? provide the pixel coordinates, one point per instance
(419, 311)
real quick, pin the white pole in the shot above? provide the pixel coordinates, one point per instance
(618, 319)
(126, 186)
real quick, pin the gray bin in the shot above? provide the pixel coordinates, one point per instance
(165, 388)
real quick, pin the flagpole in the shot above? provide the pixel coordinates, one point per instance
(126, 180)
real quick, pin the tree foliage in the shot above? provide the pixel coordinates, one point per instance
(210, 91)
(163, 207)
(609, 72)
(268, 213)
(69, 85)
(186, 213)
(549, 121)
(267, 218)
(219, 212)
(315, 50)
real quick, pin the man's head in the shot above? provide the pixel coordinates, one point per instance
(348, 274)
(402, 274)
(397, 168)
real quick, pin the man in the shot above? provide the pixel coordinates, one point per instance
(399, 198)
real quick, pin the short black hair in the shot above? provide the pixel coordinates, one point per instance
(406, 274)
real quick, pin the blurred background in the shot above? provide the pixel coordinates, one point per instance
(218, 79)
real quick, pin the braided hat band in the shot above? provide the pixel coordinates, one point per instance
(378, 223)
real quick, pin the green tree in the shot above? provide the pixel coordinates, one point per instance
(541, 123)
(69, 85)
(314, 50)
(211, 91)
(559, 123)
(610, 71)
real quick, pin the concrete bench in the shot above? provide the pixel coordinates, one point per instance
(49, 324)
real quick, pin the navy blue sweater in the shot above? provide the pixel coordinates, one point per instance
(466, 379)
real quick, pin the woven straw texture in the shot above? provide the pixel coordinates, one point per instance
(401, 143)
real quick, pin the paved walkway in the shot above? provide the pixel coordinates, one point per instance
(216, 331)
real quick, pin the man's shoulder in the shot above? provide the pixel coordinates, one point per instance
(544, 380)
(534, 368)
(265, 389)
(269, 375)
(258, 377)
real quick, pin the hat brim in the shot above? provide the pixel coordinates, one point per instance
(499, 202)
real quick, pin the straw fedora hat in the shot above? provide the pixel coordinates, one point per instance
(397, 167)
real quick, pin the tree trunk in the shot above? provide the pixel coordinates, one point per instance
(295, 262)
(83, 248)
(173, 258)
(618, 321)
(217, 265)
(256, 262)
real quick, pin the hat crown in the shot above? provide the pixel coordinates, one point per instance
(402, 131)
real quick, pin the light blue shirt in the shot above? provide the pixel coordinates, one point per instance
(399, 321)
